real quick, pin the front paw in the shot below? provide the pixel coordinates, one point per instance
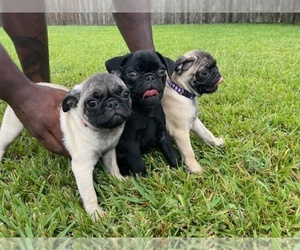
(218, 142)
(95, 213)
(119, 176)
(193, 166)
(139, 171)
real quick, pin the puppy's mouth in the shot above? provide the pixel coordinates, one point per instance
(216, 86)
(112, 121)
(208, 88)
(152, 93)
(220, 81)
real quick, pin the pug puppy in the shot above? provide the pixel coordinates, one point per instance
(92, 120)
(196, 73)
(144, 73)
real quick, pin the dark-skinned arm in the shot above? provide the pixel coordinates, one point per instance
(37, 107)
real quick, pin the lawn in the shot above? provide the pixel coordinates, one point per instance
(250, 188)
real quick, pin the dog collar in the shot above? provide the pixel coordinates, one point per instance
(180, 90)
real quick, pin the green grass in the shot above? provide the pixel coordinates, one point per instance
(249, 189)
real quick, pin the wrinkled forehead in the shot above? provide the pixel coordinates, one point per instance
(103, 85)
(143, 54)
(143, 59)
(201, 57)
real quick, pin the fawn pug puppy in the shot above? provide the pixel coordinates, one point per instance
(195, 73)
(92, 120)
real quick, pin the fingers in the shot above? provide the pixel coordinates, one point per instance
(40, 115)
(45, 123)
(53, 144)
(52, 138)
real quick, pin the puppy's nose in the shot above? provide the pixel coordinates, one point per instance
(150, 78)
(113, 104)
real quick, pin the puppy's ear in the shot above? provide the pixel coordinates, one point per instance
(71, 100)
(170, 65)
(114, 65)
(183, 64)
(116, 72)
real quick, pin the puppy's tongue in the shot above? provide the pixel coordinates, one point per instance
(221, 80)
(150, 93)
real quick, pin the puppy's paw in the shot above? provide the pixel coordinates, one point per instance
(196, 170)
(115, 171)
(96, 213)
(213, 141)
(219, 142)
(194, 167)
(119, 176)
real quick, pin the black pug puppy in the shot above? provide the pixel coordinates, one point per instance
(144, 73)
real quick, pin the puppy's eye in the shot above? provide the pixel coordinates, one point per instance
(92, 103)
(162, 71)
(132, 74)
(204, 73)
(126, 95)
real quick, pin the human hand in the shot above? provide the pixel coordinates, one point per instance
(38, 109)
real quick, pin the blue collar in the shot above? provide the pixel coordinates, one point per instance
(180, 90)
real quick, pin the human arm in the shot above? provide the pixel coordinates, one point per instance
(28, 32)
(133, 19)
(36, 106)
